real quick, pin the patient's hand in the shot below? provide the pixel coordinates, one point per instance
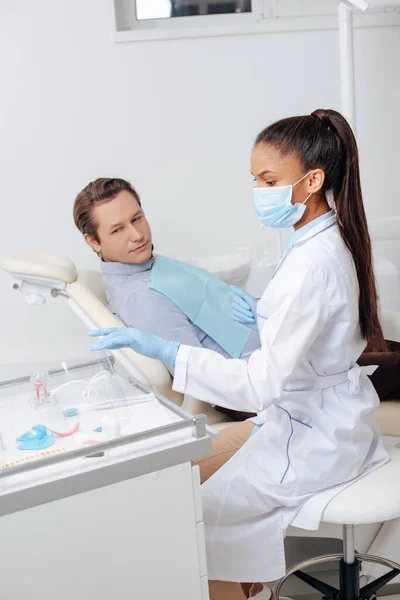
(244, 308)
(146, 344)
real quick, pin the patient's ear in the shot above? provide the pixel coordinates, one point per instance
(89, 239)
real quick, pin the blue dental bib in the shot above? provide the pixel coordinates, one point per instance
(205, 300)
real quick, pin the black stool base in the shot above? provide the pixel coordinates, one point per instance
(349, 586)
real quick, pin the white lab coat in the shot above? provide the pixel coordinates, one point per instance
(316, 403)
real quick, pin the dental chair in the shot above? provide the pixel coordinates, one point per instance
(42, 276)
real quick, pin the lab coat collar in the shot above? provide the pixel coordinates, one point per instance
(325, 224)
(322, 226)
(299, 233)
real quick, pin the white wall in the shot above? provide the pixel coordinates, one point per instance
(177, 118)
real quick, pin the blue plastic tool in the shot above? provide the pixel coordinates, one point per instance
(37, 438)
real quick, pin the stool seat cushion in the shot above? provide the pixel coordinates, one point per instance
(373, 499)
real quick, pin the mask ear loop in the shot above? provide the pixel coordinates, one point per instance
(301, 179)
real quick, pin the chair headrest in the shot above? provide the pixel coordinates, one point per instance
(41, 264)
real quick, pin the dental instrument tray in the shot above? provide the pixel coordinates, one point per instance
(84, 423)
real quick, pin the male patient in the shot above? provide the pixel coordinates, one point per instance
(109, 214)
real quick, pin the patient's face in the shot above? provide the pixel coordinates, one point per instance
(123, 231)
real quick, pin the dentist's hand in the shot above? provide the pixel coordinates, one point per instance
(146, 344)
(244, 308)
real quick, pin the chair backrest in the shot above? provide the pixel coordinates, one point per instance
(94, 281)
(391, 325)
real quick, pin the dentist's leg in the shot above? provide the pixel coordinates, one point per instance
(229, 441)
(227, 590)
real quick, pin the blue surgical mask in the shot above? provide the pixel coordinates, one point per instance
(274, 206)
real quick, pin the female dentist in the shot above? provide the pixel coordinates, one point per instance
(314, 430)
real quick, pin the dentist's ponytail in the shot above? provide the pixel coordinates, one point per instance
(353, 227)
(325, 140)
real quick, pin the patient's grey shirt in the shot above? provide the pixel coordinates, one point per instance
(137, 305)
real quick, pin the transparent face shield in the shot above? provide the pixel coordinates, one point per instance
(81, 399)
(103, 389)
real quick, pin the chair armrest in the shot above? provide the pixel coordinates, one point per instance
(95, 314)
(387, 417)
(198, 407)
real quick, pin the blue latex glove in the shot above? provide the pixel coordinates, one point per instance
(143, 343)
(244, 308)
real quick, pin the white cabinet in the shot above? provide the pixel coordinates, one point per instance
(124, 525)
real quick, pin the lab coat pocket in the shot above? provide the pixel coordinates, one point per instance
(297, 445)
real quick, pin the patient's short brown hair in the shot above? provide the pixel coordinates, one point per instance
(98, 192)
